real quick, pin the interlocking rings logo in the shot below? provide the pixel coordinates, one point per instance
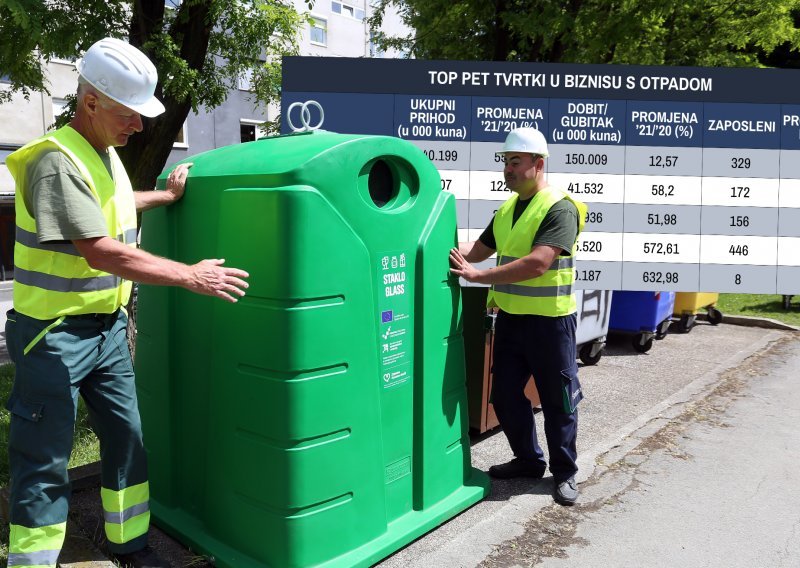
(305, 116)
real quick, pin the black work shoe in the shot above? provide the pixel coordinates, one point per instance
(516, 468)
(566, 492)
(144, 558)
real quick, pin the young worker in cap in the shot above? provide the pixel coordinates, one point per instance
(534, 234)
(75, 255)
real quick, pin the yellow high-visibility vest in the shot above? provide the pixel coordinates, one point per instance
(551, 294)
(53, 279)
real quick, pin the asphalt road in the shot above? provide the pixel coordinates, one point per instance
(717, 487)
(633, 401)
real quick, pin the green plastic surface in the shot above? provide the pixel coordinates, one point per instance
(322, 419)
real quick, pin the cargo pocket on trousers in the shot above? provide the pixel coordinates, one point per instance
(571, 390)
(31, 411)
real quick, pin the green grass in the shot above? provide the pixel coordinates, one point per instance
(86, 448)
(760, 305)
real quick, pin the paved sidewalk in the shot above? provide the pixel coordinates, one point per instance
(625, 392)
(716, 486)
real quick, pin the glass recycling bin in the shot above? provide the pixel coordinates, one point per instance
(322, 419)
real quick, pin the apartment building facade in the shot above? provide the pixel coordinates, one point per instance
(337, 28)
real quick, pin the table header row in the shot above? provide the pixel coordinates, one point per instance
(540, 80)
(563, 121)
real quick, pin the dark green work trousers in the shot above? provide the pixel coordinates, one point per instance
(55, 361)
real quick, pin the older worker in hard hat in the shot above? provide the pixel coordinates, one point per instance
(534, 234)
(75, 256)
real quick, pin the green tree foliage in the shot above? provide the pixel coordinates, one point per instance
(648, 32)
(200, 48)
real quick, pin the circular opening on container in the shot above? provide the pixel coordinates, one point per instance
(380, 183)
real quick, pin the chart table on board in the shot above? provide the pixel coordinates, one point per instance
(689, 195)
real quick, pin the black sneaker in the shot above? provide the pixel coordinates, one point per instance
(566, 492)
(144, 558)
(516, 468)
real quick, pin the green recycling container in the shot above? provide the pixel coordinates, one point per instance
(322, 419)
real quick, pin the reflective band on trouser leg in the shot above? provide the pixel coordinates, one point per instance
(127, 512)
(40, 546)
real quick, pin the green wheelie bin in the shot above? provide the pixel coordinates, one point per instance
(322, 419)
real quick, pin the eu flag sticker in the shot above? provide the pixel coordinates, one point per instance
(386, 316)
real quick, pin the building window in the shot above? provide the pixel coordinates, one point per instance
(319, 31)
(250, 130)
(58, 106)
(182, 138)
(245, 81)
(374, 50)
(71, 60)
(346, 9)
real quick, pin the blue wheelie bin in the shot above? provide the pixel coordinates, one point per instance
(647, 315)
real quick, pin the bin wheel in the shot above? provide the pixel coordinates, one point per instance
(714, 316)
(787, 302)
(642, 343)
(686, 324)
(663, 329)
(586, 356)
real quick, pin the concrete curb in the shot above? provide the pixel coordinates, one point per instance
(751, 321)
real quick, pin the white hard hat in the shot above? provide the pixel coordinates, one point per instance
(122, 73)
(527, 140)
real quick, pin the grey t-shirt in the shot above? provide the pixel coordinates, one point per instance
(60, 200)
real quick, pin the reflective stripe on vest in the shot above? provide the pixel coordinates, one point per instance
(550, 294)
(38, 546)
(53, 279)
(558, 264)
(60, 284)
(534, 291)
(126, 512)
(30, 240)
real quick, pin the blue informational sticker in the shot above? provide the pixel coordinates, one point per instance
(394, 304)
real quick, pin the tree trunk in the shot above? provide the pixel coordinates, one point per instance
(146, 153)
(501, 33)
